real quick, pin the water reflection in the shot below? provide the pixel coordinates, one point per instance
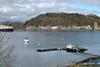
(26, 56)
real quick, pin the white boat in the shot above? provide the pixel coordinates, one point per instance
(26, 40)
(72, 48)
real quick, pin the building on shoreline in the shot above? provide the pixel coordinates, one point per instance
(96, 26)
(59, 28)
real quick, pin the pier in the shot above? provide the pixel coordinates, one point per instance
(88, 62)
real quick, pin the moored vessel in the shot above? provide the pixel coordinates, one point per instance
(68, 48)
(71, 48)
(6, 28)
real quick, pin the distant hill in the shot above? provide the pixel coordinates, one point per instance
(63, 19)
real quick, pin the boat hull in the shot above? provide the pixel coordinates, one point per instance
(81, 50)
(6, 30)
(74, 50)
(44, 50)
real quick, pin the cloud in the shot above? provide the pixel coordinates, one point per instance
(46, 5)
(14, 17)
(24, 9)
(5, 9)
(93, 2)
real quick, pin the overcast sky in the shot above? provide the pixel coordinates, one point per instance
(22, 10)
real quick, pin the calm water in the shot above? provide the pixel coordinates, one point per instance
(25, 55)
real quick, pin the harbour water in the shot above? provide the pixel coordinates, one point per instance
(24, 55)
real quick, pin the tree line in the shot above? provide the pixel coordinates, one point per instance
(63, 19)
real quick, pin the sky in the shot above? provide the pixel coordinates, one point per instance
(22, 10)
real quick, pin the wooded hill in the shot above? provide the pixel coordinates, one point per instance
(63, 19)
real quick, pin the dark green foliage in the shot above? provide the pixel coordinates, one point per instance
(61, 19)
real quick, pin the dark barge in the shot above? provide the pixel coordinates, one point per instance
(68, 48)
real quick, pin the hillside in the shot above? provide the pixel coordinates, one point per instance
(62, 19)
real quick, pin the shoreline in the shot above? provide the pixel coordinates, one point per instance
(65, 30)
